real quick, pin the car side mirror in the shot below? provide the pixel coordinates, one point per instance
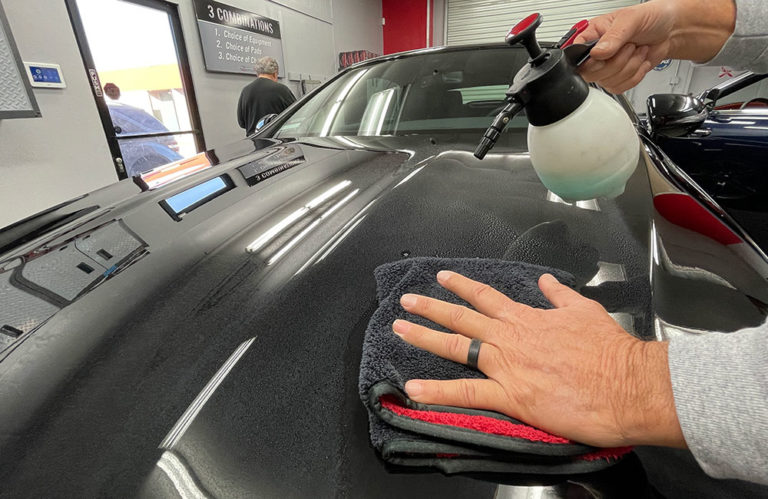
(265, 121)
(673, 115)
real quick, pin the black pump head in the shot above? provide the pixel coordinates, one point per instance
(548, 86)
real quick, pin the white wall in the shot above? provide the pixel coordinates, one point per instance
(358, 25)
(438, 22)
(674, 79)
(64, 154)
(48, 160)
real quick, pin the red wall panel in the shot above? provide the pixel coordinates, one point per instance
(405, 24)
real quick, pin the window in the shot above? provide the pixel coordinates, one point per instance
(135, 58)
(432, 92)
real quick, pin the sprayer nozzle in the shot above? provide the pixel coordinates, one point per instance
(494, 131)
(483, 147)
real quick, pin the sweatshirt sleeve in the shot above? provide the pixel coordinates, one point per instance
(720, 385)
(747, 48)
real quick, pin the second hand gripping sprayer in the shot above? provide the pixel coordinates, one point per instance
(581, 141)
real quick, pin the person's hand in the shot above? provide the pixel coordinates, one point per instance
(632, 41)
(635, 39)
(571, 371)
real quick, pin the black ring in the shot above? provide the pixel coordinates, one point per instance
(474, 353)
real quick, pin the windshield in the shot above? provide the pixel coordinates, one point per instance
(438, 91)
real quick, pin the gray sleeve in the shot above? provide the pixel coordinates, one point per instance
(747, 48)
(720, 384)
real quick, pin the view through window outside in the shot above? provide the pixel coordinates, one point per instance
(135, 55)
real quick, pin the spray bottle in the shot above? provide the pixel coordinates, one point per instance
(581, 141)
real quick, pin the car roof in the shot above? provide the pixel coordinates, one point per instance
(439, 49)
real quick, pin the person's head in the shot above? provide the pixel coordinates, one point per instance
(112, 91)
(267, 67)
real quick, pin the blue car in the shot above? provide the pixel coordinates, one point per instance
(141, 154)
(720, 139)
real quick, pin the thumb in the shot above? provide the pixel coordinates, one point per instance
(622, 31)
(558, 294)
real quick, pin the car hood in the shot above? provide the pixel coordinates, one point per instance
(216, 351)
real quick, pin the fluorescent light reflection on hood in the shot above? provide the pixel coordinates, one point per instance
(311, 227)
(181, 477)
(294, 217)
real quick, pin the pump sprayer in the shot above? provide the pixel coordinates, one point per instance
(581, 141)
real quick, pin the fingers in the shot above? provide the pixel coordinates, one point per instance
(597, 28)
(455, 317)
(483, 297)
(558, 294)
(621, 31)
(631, 82)
(471, 393)
(621, 80)
(602, 70)
(453, 347)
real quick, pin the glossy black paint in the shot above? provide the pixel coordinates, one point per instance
(673, 115)
(90, 396)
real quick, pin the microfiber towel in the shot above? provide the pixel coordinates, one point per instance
(452, 439)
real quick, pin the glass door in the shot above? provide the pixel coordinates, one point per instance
(136, 61)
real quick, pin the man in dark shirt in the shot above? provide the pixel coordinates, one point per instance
(263, 96)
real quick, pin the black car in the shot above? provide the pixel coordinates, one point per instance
(199, 334)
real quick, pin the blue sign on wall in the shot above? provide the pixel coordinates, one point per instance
(663, 65)
(47, 75)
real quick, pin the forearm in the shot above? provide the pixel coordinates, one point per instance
(700, 28)
(648, 411)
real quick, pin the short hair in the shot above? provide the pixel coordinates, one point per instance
(112, 91)
(267, 65)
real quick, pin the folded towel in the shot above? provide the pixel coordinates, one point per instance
(452, 439)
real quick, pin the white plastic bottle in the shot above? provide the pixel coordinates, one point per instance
(590, 153)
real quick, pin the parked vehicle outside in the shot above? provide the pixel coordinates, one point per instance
(141, 155)
(197, 331)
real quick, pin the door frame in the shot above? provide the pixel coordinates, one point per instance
(96, 87)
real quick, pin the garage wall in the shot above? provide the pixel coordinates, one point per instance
(484, 21)
(64, 154)
(48, 160)
(308, 47)
(438, 22)
(488, 21)
(674, 77)
(405, 25)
